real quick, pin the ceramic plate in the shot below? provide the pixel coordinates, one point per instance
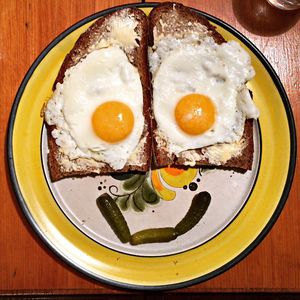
(243, 207)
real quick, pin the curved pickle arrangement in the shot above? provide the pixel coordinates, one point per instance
(114, 217)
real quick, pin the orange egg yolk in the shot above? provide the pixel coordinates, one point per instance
(112, 121)
(195, 114)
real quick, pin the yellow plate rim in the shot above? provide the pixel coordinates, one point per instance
(235, 260)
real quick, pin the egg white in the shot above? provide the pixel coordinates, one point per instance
(216, 71)
(103, 75)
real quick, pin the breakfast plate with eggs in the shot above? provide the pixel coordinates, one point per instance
(127, 168)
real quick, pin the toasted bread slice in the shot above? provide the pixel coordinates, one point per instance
(173, 19)
(96, 37)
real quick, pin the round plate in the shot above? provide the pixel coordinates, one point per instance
(65, 215)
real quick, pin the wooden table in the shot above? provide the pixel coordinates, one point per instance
(26, 265)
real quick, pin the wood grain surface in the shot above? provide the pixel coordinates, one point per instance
(26, 265)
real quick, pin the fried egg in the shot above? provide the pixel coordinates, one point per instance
(98, 109)
(199, 94)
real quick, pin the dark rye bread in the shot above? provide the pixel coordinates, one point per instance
(175, 18)
(138, 57)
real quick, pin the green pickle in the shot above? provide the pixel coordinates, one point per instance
(117, 222)
(196, 211)
(114, 217)
(153, 235)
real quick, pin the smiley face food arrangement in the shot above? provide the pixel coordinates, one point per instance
(137, 92)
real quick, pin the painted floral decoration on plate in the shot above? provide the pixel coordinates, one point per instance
(141, 190)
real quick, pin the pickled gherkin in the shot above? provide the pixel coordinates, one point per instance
(195, 213)
(114, 217)
(153, 235)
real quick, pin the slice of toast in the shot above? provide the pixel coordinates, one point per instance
(96, 37)
(173, 19)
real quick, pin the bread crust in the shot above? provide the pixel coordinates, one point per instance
(139, 58)
(179, 14)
